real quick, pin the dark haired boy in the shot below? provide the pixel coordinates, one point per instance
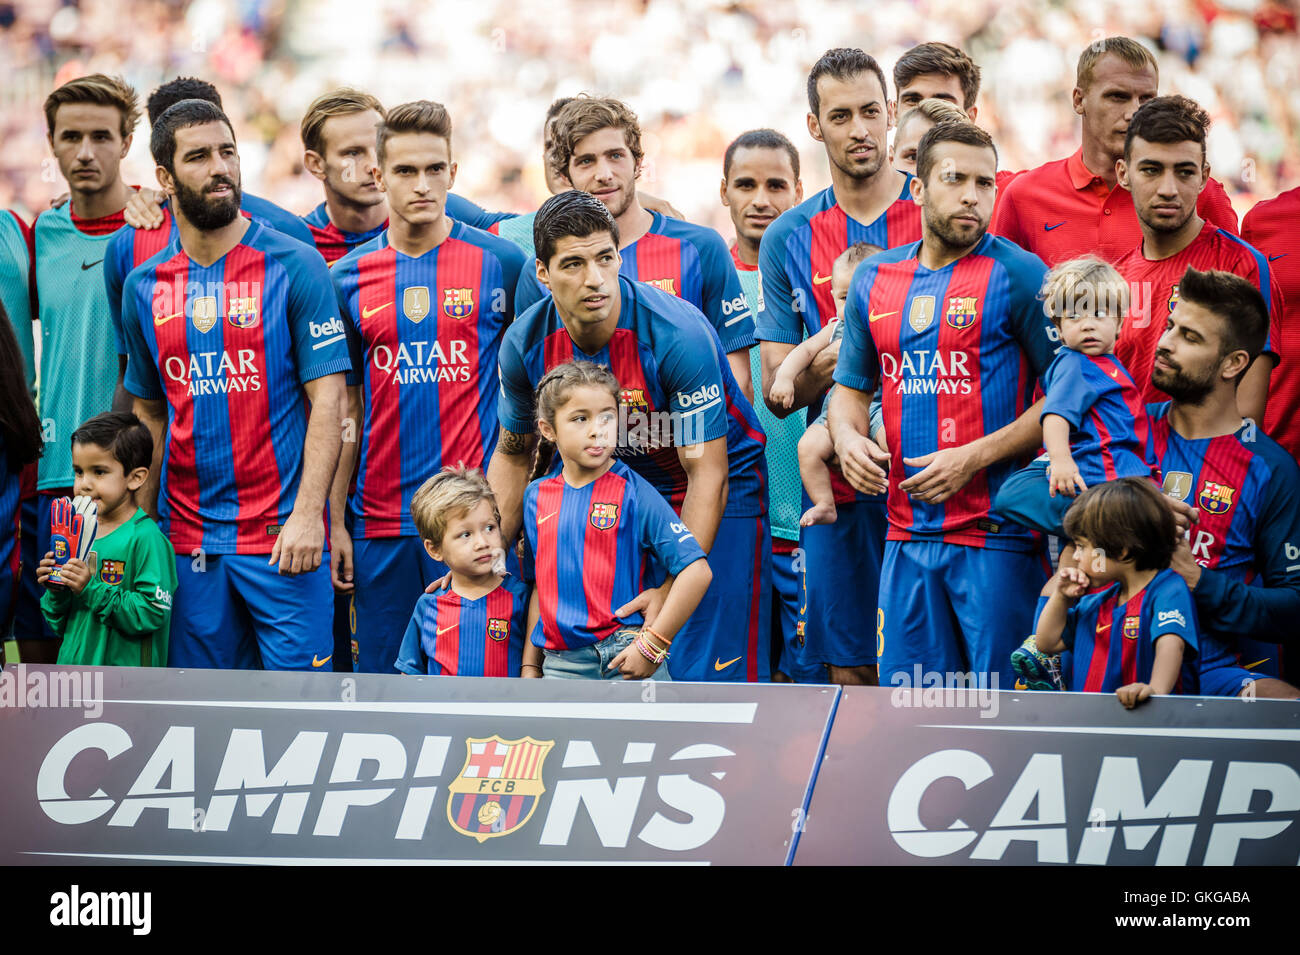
(1130, 637)
(114, 610)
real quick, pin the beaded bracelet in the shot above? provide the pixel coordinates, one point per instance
(658, 636)
(646, 650)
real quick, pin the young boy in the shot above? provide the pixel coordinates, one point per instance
(815, 447)
(115, 608)
(474, 626)
(588, 532)
(1132, 636)
(1094, 422)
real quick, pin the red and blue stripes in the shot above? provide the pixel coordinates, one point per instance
(482, 637)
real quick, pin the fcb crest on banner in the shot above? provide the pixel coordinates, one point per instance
(110, 571)
(497, 789)
(415, 302)
(458, 302)
(1178, 484)
(1215, 498)
(962, 311)
(242, 312)
(921, 314)
(604, 516)
(204, 313)
(498, 628)
(1132, 627)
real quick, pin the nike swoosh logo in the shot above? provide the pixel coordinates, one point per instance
(1114, 374)
(1251, 666)
(1271, 258)
(877, 316)
(164, 319)
(367, 312)
(315, 662)
(1049, 228)
(543, 520)
(718, 665)
(820, 279)
(443, 630)
(90, 265)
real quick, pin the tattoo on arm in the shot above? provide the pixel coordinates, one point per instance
(511, 442)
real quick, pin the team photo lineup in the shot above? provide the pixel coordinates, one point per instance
(940, 421)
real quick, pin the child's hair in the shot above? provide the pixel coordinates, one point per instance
(123, 434)
(856, 253)
(1128, 519)
(1084, 284)
(449, 493)
(557, 383)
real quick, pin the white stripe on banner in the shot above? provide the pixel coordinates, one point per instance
(343, 860)
(1278, 736)
(646, 712)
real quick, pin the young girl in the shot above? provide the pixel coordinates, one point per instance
(1132, 636)
(587, 532)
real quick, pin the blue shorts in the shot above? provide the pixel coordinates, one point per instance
(841, 579)
(1025, 498)
(728, 639)
(787, 593)
(239, 613)
(1217, 669)
(29, 624)
(390, 574)
(950, 608)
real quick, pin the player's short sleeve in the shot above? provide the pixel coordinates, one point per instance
(319, 331)
(1069, 389)
(781, 319)
(515, 403)
(858, 364)
(1006, 217)
(662, 532)
(1072, 618)
(1029, 323)
(1215, 206)
(141, 379)
(344, 281)
(725, 304)
(117, 260)
(1173, 610)
(281, 220)
(462, 210)
(690, 368)
(411, 657)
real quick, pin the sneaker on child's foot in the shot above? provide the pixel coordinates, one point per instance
(1035, 669)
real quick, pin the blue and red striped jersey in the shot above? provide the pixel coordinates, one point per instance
(797, 253)
(585, 548)
(677, 389)
(332, 242)
(959, 351)
(1114, 644)
(132, 247)
(1153, 293)
(1246, 492)
(450, 635)
(692, 262)
(229, 347)
(424, 334)
(1109, 436)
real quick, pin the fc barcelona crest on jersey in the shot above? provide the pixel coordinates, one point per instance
(497, 789)
(458, 302)
(604, 516)
(415, 303)
(1215, 498)
(242, 312)
(668, 285)
(1177, 484)
(204, 313)
(633, 399)
(498, 628)
(1132, 627)
(1173, 297)
(921, 315)
(110, 571)
(962, 311)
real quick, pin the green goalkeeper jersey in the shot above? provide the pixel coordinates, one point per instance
(123, 615)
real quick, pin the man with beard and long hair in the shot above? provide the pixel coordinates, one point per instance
(1239, 488)
(953, 329)
(1164, 168)
(867, 201)
(236, 357)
